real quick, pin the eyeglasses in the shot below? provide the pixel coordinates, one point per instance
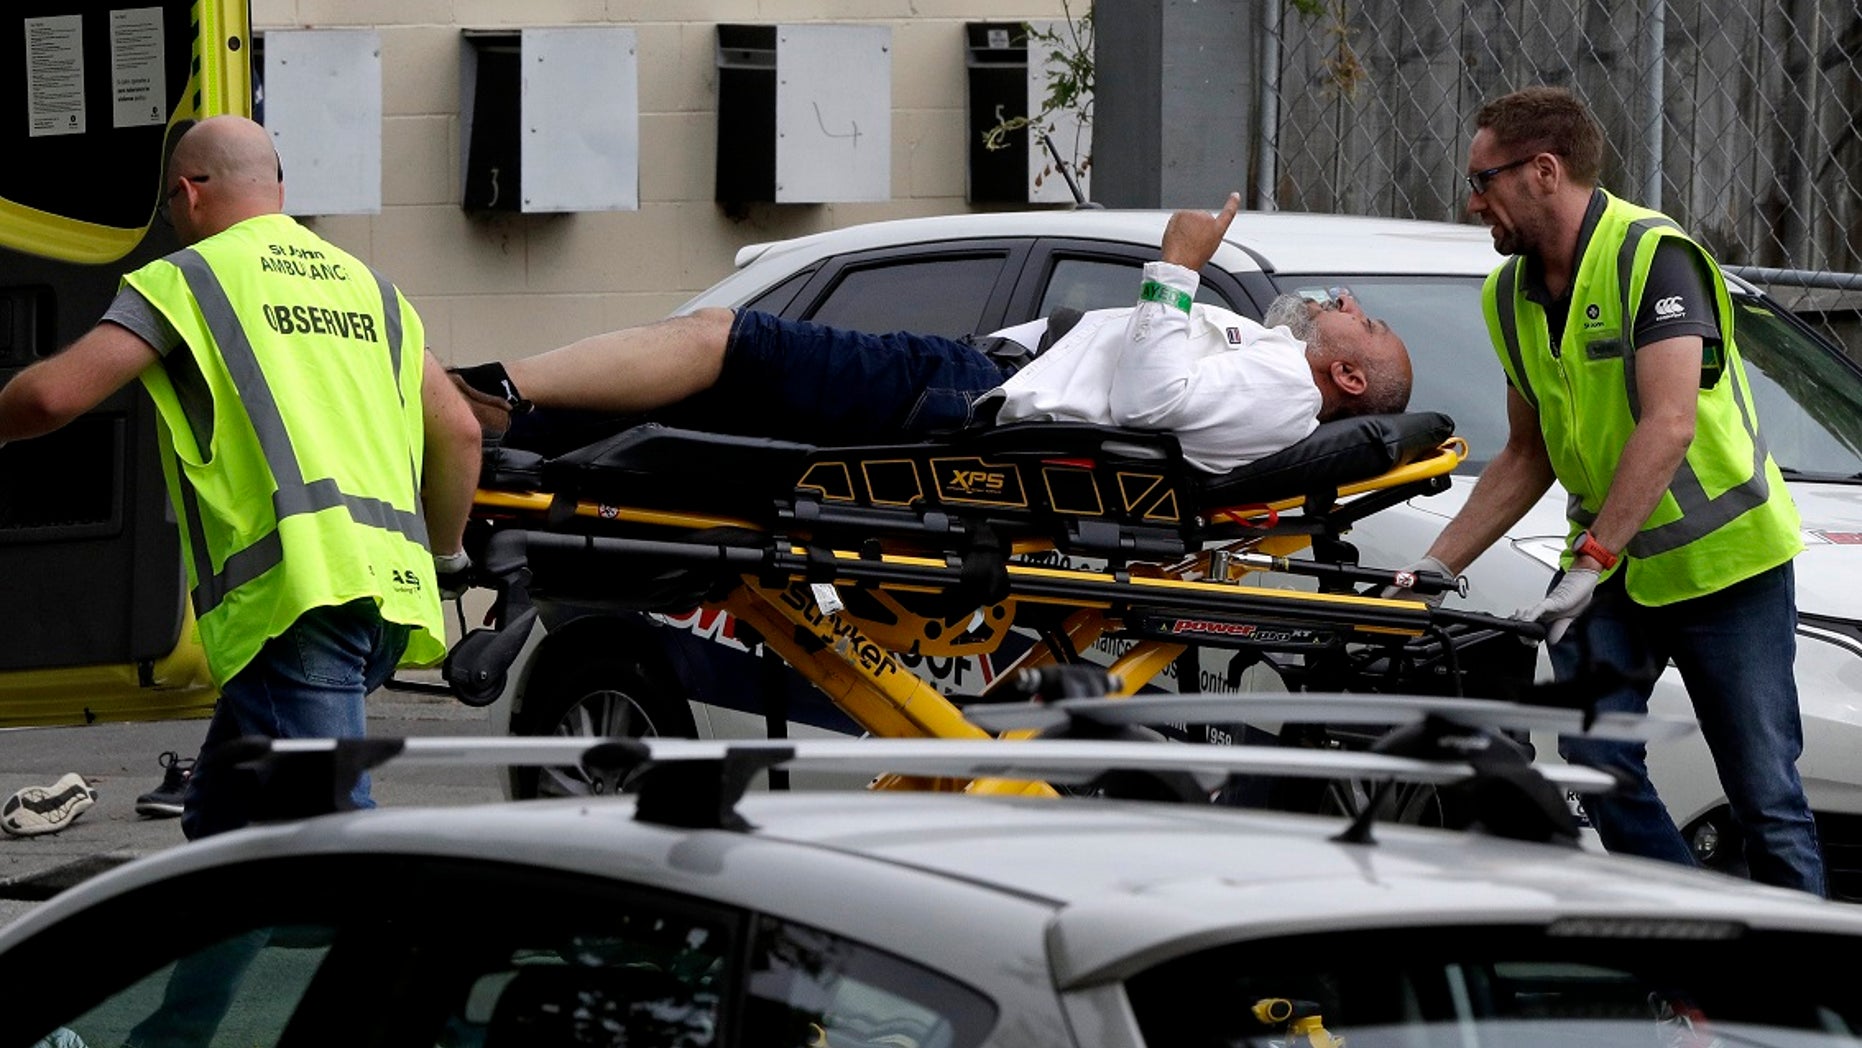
(169, 200)
(1479, 180)
(1327, 298)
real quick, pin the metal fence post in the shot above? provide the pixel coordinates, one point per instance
(1267, 110)
(1654, 57)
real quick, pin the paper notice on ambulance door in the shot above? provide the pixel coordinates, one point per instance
(136, 88)
(55, 75)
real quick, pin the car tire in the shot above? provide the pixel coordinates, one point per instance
(594, 698)
(1409, 804)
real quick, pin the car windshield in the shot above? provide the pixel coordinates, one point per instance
(1809, 402)
(1809, 399)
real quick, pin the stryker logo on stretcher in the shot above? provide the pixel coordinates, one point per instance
(316, 320)
(843, 637)
(720, 627)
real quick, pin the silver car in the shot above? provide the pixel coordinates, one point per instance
(696, 912)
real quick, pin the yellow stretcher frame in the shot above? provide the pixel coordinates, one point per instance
(850, 660)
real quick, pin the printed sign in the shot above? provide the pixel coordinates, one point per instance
(136, 81)
(55, 75)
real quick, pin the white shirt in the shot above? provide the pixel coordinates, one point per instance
(1231, 390)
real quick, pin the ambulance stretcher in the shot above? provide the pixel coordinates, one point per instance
(841, 559)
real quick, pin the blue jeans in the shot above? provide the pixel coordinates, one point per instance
(799, 381)
(308, 682)
(793, 380)
(1736, 651)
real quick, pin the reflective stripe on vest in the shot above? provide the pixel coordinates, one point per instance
(1508, 309)
(293, 496)
(1700, 515)
(1625, 279)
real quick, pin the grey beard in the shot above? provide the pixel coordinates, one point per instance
(1291, 312)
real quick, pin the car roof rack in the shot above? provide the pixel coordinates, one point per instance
(698, 783)
(1077, 716)
(1507, 794)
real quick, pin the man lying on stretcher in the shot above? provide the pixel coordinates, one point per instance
(1231, 389)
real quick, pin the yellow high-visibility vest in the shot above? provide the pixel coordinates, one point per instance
(1727, 515)
(308, 493)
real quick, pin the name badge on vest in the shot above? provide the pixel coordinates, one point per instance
(1603, 349)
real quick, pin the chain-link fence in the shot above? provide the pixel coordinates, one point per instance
(1742, 120)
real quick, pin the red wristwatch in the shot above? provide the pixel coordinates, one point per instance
(1590, 547)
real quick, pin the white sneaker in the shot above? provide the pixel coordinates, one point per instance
(47, 809)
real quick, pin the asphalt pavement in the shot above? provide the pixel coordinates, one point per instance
(121, 762)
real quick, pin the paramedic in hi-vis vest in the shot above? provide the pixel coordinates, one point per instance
(1624, 383)
(320, 463)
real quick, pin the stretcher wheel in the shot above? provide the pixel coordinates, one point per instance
(591, 697)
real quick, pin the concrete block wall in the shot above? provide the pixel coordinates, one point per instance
(502, 286)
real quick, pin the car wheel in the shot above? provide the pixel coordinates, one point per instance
(601, 698)
(1411, 804)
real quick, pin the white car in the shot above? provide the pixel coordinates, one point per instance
(693, 914)
(967, 274)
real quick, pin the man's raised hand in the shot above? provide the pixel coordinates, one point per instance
(1191, 237)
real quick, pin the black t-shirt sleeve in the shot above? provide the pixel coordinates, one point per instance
(1678, 298)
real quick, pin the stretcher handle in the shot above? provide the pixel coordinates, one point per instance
(1524, 629)
(1426, 583)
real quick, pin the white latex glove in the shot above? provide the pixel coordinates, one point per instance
(1564, 603)
(1404, 593)
(451, 572)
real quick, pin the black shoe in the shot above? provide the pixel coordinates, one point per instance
(491, 395)
(164, 801)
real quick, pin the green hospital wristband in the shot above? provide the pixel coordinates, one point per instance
(1152, 291)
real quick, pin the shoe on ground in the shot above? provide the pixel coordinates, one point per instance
(47, 809)
(164, 801)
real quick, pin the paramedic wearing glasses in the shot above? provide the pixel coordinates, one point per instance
(1624, 383)
(317, 456)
